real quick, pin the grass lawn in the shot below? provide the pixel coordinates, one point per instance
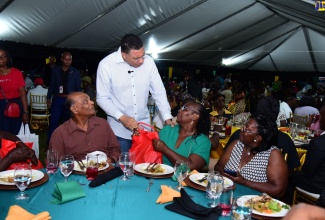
(42, 138)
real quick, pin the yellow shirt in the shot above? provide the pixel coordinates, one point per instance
(215, 113)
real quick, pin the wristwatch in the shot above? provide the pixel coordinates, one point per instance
(27, 112)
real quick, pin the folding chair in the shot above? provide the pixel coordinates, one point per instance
(301, 195)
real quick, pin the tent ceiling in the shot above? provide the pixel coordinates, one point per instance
(268, 35)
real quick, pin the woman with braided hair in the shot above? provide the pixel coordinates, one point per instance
(254, 160)
(188, 139)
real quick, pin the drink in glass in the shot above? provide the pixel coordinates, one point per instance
(51, 161)
(66, 166)
(130, 171)
(317, 133)
(125, 164)
(226, 201)
(22, 178)
(181, 170)
(228, 129)
(92, 167)
(214, 187)
(240, 210)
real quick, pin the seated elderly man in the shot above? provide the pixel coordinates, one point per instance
(84, 133)
(21, 153)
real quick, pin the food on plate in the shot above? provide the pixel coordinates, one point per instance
(203, 179)
(7, 179)
(154, 168)
(284, 129)
(265, 204)
(101, 165)
(10, 178)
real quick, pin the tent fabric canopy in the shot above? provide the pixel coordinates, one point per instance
(265, 35)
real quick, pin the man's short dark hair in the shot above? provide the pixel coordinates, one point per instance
(131, 42)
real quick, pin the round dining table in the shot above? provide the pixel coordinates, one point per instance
(115, 200)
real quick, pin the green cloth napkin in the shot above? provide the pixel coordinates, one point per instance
(67, 191)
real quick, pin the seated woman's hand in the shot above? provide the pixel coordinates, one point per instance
(22, 153)
(238, 179)
(158, 145)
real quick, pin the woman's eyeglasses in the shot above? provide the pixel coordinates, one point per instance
(247, 131)
(185, 108)
(220, 100)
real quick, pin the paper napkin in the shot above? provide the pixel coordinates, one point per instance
(67, 191)
(167, 194)
(17, 212)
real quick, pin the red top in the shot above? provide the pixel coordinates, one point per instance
(11, 83)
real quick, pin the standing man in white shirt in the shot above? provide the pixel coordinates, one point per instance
(124, 80)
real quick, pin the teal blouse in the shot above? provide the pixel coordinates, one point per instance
(200, 145)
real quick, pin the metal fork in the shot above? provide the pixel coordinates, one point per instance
(150, 184)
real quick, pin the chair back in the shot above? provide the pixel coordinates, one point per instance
(38, 102)
(39, 112)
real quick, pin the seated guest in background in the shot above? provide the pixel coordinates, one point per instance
(84, 133)
(38, 90)
(312, 175)
(287, 106)
(158, 118)
(21, 153)
(227, 92)
(306, 106)
(219, 106)
(87, 88)
(257, 162)
(269, 107)
(239, 104)
(188, 140)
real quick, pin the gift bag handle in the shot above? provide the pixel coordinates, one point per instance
(142, 126)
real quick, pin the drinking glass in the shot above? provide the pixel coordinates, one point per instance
(130, 171)
(228, 128)
(125, 163)
(66, 166)
(214, 187)
(22, 178)
(240, 210)
(92, 167)
(181, 170)
(51, 161)
(226, 201)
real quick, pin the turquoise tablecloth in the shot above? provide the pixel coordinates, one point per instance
(116, 199)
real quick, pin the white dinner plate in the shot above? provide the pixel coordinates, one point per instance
(141, 168)
(36, 175)
(198, 176)
(77, 167)
(282, 213)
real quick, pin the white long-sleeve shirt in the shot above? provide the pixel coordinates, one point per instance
(123, 90)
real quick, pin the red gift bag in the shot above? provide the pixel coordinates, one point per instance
(7, 146)
(142, 145)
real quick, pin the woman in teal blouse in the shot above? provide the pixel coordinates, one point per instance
(188, 140)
